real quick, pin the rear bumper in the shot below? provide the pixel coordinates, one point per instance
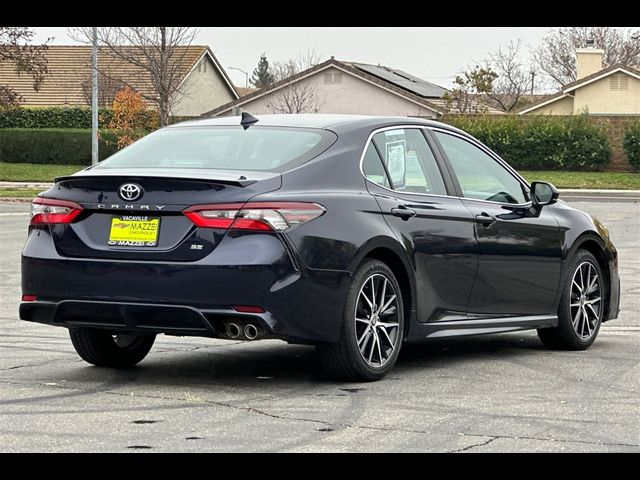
(182, 298)
(141, 317)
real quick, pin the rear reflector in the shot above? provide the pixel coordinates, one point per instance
(248, 309)
(265, 216)
(29, 298)
(46, 211)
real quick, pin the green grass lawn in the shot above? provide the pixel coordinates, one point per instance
(31, 172)
(597, 180)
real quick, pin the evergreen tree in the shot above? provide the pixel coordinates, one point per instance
(261, 76)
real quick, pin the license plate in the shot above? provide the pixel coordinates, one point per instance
(134, 231)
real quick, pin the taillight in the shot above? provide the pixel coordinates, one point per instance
(266, 216)
(45, 211)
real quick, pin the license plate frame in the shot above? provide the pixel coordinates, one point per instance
(134, 231)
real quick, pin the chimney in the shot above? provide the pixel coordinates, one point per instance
(588, 60)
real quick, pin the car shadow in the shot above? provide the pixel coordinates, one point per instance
(281, 366)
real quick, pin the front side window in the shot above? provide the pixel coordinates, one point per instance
(479, 175)
(409, 162)
(271, 149)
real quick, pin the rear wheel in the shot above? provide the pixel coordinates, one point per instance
(106, 349)
(372, 326)
(581, 306)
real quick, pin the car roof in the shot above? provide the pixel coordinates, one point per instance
(339, 123)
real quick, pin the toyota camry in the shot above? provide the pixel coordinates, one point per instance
(354, 234)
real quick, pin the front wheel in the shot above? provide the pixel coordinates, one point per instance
(372, 327)
(581, 306)
(107, 349)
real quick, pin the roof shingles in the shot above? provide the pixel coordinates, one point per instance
(70, 66)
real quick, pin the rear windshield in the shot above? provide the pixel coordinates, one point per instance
(270, 149)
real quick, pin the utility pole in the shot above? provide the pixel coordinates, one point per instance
(94, 98)
(533, 79)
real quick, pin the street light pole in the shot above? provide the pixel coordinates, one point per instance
(94, 97)
(246, 76)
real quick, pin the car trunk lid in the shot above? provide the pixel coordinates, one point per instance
(163, 195)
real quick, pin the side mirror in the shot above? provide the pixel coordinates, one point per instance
(543, 193)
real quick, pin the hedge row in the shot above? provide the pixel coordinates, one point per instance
(631, 144)
(64, 117)
(541, 142)
(52, 146)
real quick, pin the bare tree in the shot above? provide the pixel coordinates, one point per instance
(295, 98)
(29, 59)
(513, 79)
(556, 56)
(298, 97)
(158, 52)
(304, 61)
(107, 89)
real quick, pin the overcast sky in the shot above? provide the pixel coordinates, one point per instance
(435, 54)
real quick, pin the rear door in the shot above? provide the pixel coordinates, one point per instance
(435, 228)
(520, 251)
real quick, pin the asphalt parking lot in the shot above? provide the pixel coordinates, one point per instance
(497, 393)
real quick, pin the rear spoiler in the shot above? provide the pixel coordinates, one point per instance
(239, 182)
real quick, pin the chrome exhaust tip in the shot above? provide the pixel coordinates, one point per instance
(233, 330)
(250, 331)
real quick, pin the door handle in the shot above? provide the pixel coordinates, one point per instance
(485, 219)
(403, 212)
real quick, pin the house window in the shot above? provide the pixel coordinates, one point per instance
(624, 82)
(614, 83)
(332, 78)
(619, 82)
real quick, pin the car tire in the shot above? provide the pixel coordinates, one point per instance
(575, 331)
(105, 349)
(380, 339)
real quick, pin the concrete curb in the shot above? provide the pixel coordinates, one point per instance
(587, 192)
(17, 185)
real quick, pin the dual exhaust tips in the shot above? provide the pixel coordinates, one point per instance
(248, 332)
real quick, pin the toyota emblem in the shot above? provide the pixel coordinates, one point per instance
(130, 192)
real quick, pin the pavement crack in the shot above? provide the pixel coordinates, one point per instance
(333, 425)
(475, 445)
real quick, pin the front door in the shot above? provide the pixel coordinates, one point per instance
(437, 230)
(520, 251)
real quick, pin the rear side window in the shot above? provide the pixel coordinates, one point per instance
(409, 162)
(271, 149)
(372, 167)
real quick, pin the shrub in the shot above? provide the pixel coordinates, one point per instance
(631, 144)
(541, 142)
(66, 117)
(52, 146)
(126, 121)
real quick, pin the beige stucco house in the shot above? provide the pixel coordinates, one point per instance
(204, 84)
(350, 88)
(614, 90)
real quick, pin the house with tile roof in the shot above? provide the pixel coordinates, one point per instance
(350, 88)
(204, 85)
(614, 90)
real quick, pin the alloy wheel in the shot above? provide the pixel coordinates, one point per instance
(376, 320)
(586, 300)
